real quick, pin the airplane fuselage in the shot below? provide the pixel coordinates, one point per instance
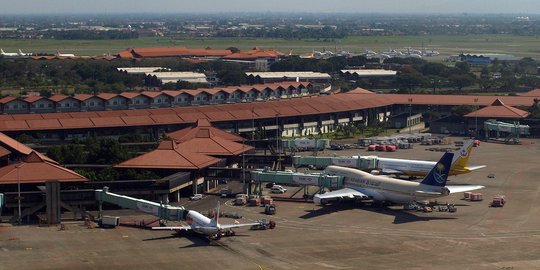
(201, 224)
(383, 188)
(413, 167)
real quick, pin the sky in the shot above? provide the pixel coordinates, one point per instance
(298, 6)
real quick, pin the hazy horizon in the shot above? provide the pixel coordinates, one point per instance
(66, 7)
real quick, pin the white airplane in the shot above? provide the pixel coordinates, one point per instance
(8, 54)
(14, 55)
(63, 54)
(412, 167)
(365, 186)
(199, 223)
(24, 54)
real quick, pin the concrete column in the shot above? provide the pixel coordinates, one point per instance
(52, 197)
(194, 185)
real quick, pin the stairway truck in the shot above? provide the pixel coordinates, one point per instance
(109, 222)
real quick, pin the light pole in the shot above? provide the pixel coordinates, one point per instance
(277, 133)
(476, 121)
(410, 114)
(18, 194)
(244, 186)
(252, 124)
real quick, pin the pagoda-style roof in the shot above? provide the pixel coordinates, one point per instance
(35, 169)
(498, 109)
(170, 155)
(205, 142)
(205, 126)
(12, 145)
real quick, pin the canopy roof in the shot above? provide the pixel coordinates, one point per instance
(35, 169)
(170, 155)
(499, 110)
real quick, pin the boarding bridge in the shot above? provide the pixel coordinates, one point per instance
(365, 163)
(507, 131)
(1, 203)
(163, 211)
(303, 144)
(320, 180)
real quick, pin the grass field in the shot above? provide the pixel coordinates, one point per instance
(525, 46)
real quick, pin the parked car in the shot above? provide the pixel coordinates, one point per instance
(196, 197)
(336, 146)
(278, 189)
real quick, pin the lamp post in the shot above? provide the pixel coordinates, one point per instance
(252, 124)
(19, 221)
(277, 133)
(476, 121)
(410, 114)
(244, 186)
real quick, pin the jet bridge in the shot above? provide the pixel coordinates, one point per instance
(293, 178)
(511, 132)
(1, 203)
(164, 212)
(365, 163)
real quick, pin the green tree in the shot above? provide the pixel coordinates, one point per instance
(461, 80)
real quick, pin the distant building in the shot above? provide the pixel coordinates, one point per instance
(299, 76)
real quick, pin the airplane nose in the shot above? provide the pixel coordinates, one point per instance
(316, 199)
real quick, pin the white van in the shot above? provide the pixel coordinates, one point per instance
(278, 189)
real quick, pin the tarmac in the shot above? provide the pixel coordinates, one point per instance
(349, 236)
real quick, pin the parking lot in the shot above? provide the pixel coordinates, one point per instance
(307, 236)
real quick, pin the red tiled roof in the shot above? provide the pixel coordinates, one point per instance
(7, 99)
(35, 169)
(107, 121)
(242, 111)
(532, 93)
(16, 125)
(138, 120)
(206, 143)
(499, 110)
(16, 146)
(82, 97)
(202, 123)
(106, 96)
(44, 123)
(171, 93)
(56, 116)
(32, 99)
(130, 95)
(359, 90)
(4, 152)
(75, 122)
(27, 116)
(170, 155)
(151, 94)
(58, 98)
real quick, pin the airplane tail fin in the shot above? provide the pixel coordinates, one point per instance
(2, 51)
(21, 52)
(461, 157)
(439, 174)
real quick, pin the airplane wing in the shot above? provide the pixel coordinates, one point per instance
(428, 192)
(173, 228)
(473, 168)
(463, 188)
(391, 171)
(339, 194)
(230, 226)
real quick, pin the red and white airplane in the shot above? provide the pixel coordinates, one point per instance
(201, 224)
